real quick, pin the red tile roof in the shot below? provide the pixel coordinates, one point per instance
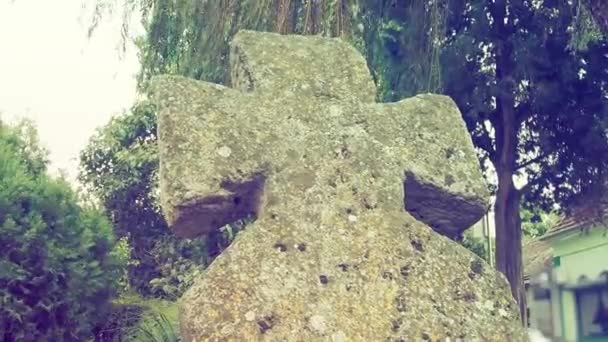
(581, 217)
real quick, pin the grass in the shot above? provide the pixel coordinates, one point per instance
(159, 321)
(143, 319)
(156, 328)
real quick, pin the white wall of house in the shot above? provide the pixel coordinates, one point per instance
(483, 230)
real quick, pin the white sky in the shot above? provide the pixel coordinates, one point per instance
(52, 73)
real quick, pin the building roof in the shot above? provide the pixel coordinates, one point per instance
(537, 256)
(580, 217)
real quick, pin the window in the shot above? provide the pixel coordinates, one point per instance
(557, 261)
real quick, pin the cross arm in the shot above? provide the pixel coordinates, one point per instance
(443, 184)
(207, 177)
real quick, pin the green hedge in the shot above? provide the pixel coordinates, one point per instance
(58, 264)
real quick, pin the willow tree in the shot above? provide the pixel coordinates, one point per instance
(534, 105)
(190, 37)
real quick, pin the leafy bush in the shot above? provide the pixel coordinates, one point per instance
(58, 266)
(475, 245)
(536, 222)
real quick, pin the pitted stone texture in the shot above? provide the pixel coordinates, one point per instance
(218, 145)
(299, 66)
(333, 255)
(385, 278)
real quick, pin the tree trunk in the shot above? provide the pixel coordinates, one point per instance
(508, 240)
(506, 125)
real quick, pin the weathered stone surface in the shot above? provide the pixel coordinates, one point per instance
(333, 255)
(259, 61)
(210, 135)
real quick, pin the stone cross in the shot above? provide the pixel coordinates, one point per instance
(220, 146)
(337, 183)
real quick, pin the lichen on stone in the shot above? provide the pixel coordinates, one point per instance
(352, 198)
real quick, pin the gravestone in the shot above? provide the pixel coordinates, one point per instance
(353, 201)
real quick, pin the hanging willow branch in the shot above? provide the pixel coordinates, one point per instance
(402, 39)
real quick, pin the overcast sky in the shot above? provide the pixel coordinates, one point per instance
(50, 72)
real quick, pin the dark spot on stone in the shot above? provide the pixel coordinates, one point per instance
(304, 156)
(449, 180)
(345, 152)
(349, 211)
(469, 297)
(349, 287)
(395, 325)
(341, 176)
(449, 152)
(274, 216)
(387, 275)
(343, 267)
(400, 303)
(366, 255)
(265, 324)
(439, 309)
(425, 336)
(477, 266)
(323, 279)
(405, 271)
(280, 246)
(368, 205)
(332, 183)
(236, 200)
(301, 247)
(417, 244)
(354, 190)
(497, 305)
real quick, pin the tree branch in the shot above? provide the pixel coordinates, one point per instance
(484, 142)
(533, 160)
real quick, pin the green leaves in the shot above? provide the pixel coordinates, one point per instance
(560, 95)
(55, 262)
(535, 222)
